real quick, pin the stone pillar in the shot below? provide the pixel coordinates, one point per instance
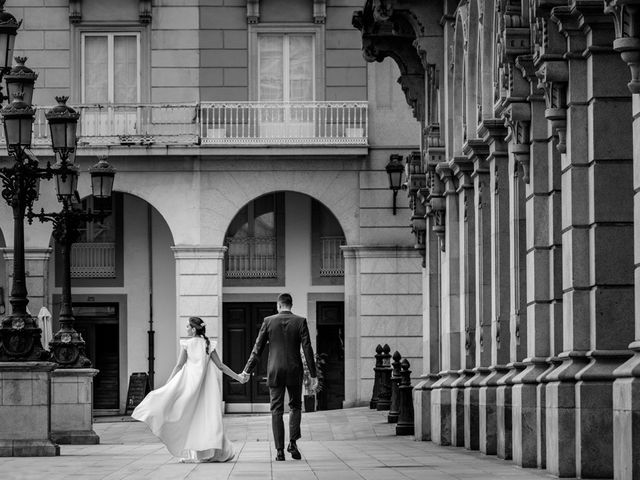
(352, 395)
(72, 406)
(431, 331)
(199, 274)
(25, 413)
(626, 388)
(494, 133)
(463, 168)
(598, 230)
(478, 398)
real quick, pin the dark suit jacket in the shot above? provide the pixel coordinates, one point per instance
(285, 333)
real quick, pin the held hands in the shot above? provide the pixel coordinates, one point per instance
(244, 377)
(314, 384)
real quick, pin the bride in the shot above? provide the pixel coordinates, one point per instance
(186, 413)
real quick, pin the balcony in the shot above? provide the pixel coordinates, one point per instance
(93, 260)
(331, 259)
(217, 124)
(251, 257)
(275, 123)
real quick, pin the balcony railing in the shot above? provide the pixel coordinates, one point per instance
(251, 257)
(277, 123)
(331, 260)
(93, 260)
(128, 124)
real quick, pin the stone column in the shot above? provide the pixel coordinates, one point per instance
(494, 133)
(462, 167)
(199, 274)
(352, 394)
(443, 406)
(528, 434)
(452, 319)
(598, 228)
(626, 387)
(477, 398)
(422, 397)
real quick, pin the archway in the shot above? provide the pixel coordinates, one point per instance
(283, 241)
(123, 290)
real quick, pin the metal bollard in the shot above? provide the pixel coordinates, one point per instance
(405, 415)
(376, 379)
(392, 417)
(384, 392)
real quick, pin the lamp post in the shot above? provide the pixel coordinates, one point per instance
(68, 347)
(19, 333)
(395, 169)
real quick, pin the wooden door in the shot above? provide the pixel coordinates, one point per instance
(99, 327)
(330, 347)
(241, 324)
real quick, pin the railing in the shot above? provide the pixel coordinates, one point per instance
(128, 124)
(216, 123)
(93, 260)
(251, 257)
(331, 260)
(277, 123)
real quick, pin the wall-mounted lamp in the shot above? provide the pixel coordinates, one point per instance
(395, 169)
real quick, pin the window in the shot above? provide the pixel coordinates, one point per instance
(110, 67)
(286, 67)
(94, 255)
(254, 241)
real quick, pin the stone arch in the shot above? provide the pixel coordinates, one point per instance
(459, 83)
(472, 52)
(486, 53)
(227, 192)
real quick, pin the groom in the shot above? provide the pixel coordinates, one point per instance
(285, 333)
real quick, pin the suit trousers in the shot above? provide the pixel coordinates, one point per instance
(277, 409)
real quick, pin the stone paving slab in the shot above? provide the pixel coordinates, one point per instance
(352, 444)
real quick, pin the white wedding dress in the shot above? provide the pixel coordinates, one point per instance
(186, 413)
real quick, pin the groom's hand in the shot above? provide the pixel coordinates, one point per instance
(245, 377)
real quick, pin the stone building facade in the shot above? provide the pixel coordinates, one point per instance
(250, 140)
(525, 212)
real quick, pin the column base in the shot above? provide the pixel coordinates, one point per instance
(422, 406)
(28, 448)
(75, 438)
(503, 408)
(626, 418)
(525, 411)
(487, 410)
(457, 407)
(594, 415)
(472, 408)
(441, 408)
(560, 414)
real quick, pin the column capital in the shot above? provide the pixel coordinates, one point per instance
(181, 252)
(462, 168)
(626, 21)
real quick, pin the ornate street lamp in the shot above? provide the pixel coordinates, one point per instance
(395, 169)
(20, 337)
(21, 80)
(102, 175)
(8, 31)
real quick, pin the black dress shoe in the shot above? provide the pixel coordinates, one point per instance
(280, 455)
(293, 450)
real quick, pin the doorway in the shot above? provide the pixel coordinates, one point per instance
(99, 326)
(330, 348)
(241, 325)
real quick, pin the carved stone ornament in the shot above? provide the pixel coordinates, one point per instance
(144, 9)
(319, 11)
(75, 11)
(253, 11)
(627, 42)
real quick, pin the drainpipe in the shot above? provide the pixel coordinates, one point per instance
(150, 332)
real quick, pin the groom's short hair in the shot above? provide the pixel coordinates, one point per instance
(285, 300)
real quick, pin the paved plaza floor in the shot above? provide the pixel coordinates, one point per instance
(352, 444)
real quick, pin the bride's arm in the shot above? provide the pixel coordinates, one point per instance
(218, 363)
(181, 361)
